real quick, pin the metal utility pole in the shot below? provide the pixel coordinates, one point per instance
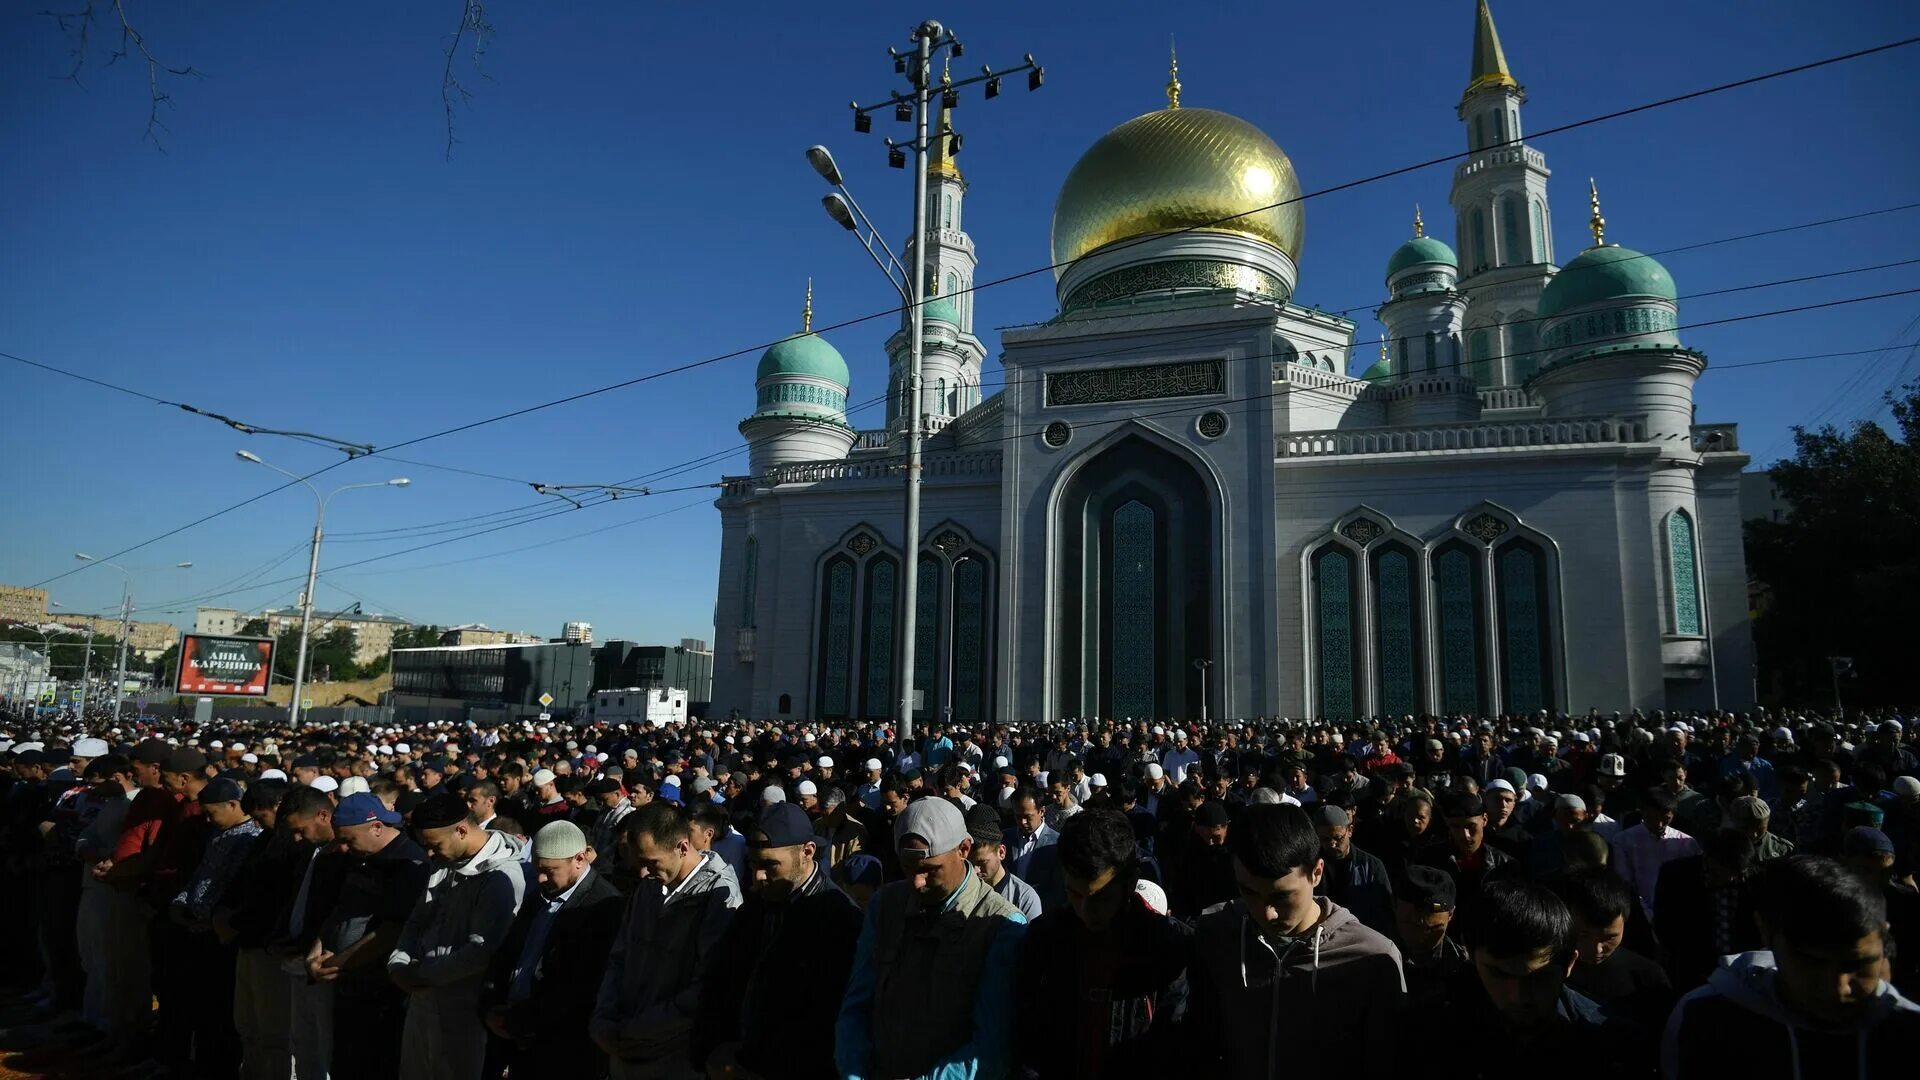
(126, 630)
(928, 38)
(86, 663)
(313, 570)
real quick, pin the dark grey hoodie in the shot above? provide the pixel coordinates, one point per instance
(1736, 1025)
(1321, 1004)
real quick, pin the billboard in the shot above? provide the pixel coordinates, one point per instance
(233, 666)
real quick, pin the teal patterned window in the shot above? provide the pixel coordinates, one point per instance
(1480, 257)
(926, 634)
(1333, 631)
(750, 581)
(1396, 632)
(1433, 349)
(877, 651)
(1524, 358)
(1686, 574)
(1132, 585)
(836, 639)
(1539, 233)
(1511, 249)
(1456, 585)
(1479, 353)
(969, 640)
(1525, 674)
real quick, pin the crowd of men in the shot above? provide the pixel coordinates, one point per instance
(1622, 896)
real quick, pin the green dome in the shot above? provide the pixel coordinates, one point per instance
(1600, 274)
(804, 354)
(1379, 372)
(1421, 249)
(942, 309)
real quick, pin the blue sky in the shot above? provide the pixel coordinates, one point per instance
(629, 194)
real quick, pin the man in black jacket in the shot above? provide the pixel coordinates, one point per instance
(1112, 970)
(753, 1018)
(541, 990)
(1704, 908)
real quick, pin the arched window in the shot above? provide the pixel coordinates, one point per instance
(786, 704)
(1511, 248)
(1479, 133)
(1482, 258)
(836, 638)
(1433, 349)
(877, 623)
(749, 581)
(1526, 670)
(970, 583)
(926, 658)
(1134, 609)
(1459, 614)
(1396, 629)
(1684, 566)
(1524, 358)
(1334, 592)
(953, 289)
(1539, 233)
(1479, 352)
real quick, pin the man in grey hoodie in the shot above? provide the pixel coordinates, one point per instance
(1816, 1003)
(447, 944)
(1290, 983)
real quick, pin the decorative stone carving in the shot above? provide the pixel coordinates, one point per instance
(861, 543)
(1140, 382)
(1057, 433)
(1212, 424)
(949, 543)
(1362, 531)
(1486, 528)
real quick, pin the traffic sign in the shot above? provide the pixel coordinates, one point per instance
(306, 703)
(546, 699)
(545, 716)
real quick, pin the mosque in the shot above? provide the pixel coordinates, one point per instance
(1182, 502)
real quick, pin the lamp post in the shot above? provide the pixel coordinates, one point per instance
(1201, 664)
(126, 629)
(313, 569)
(928, 38)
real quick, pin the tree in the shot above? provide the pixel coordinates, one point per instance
(165, 668)
(254, 628)
(1844, 568)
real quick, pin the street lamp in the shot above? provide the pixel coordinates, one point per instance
(126, 629)
(913, 106)
(313, 568)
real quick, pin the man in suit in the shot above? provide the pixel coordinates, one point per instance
(541, 990)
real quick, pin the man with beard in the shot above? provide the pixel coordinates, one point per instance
(544, 977)
(748, 1023)
(1354, 879)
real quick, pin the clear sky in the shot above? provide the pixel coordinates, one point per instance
(629, 194)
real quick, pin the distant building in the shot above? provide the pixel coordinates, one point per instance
(494, 682)
(21, 604)
(639, 704)
(482, 634)
(1760, 500)
(372, 634)
(146, 641)
(689, 664)
(577, 633)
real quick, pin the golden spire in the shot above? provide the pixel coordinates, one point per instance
(1173, 75)
(1419, 227)
(1383, 348)
(1489, 59)
(806, 313)
(944, 141)
(1596, 223)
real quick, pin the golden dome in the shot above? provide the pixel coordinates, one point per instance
(1195, 169)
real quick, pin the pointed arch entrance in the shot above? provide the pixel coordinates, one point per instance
(1137, 543)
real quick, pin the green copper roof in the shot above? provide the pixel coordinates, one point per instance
(1379, 372)
(1421, 249)
(804, 354)
(1601, 274)
(942, 309)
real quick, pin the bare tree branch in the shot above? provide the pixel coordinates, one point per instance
(78, 26)
(473, 23)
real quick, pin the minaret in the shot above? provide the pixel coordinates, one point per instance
(1505, 228)
(800, 399)
(1422, 317)
(951, 356)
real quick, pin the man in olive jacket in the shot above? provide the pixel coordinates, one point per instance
(796, 923)
(545, 978)
(932, 989)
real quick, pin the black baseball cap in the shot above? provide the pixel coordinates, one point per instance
(782, 824)
(1426, 888)
(218, 791)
